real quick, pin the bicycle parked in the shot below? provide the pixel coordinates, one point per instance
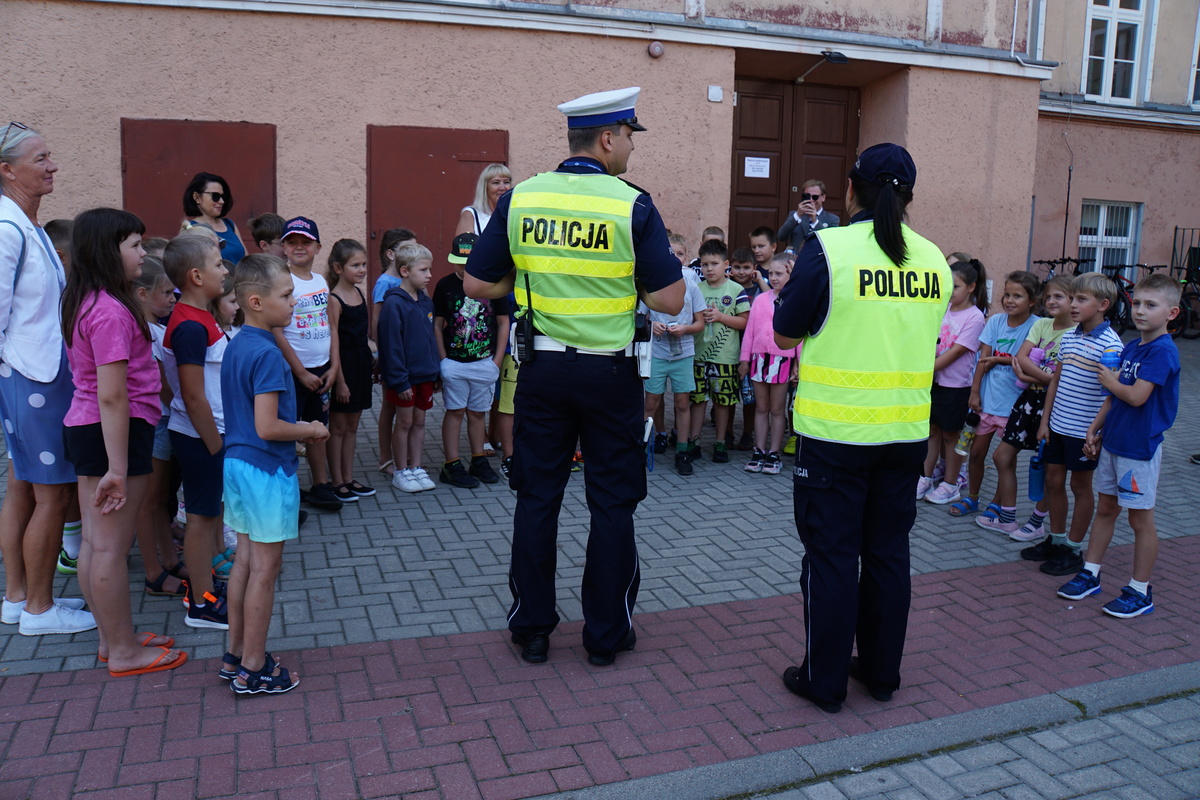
(1120, 315)
(1189, 304)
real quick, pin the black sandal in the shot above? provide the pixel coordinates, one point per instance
(155, 588)
(230, 664)
(262, 681)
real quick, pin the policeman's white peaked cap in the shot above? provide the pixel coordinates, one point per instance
(614, 107)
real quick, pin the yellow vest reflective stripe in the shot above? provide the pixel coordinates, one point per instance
(571, 236)
(865, 376)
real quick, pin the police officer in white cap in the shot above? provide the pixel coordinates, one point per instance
(579, 247)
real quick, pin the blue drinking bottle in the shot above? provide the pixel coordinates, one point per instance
(1110, 359)
(1037, 476)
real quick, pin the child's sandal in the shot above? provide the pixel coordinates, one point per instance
(221, 567)
(263, 681)
(231, 663)
(992, 511)
(967, 505)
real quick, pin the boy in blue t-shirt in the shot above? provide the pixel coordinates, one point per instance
(262, 492)
(1127, 436)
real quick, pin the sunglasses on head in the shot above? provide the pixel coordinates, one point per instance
(11, 125)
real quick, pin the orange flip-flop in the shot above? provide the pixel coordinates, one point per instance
(155, 666)
(147, 637)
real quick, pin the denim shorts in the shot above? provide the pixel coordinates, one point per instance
(264, 507)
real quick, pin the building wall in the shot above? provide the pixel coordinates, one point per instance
(1174, 40)
(323, 80)
(973, 139)
(1162, 177)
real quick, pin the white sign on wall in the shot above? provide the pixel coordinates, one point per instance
(758, 167)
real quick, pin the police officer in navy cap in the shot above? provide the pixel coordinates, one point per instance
(579, 246)
(867, 301)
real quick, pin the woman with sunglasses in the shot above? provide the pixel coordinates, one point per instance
(207, 201)
(35, 393)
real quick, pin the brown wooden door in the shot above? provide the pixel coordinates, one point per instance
(796, 133)
(160, 156)
(420, 179)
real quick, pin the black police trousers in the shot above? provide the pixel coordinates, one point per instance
(562, 398)
(855, 506)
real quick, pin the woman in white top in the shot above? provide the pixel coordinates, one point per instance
(35, 393)
(493, 182)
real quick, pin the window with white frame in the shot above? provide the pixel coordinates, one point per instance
(1109, 233)
(1196, 68)
(1114, 49)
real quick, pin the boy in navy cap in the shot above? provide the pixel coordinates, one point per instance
(310, 348)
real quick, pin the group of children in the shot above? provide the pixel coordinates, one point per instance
(229, 371)
(1065, 386)
(721, 347)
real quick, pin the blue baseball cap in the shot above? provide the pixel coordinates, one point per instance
(303, 226)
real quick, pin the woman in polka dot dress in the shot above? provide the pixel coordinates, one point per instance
(108, 432)
(35, 390)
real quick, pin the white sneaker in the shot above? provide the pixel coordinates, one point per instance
(423, 479)
(924, 487)
(404, 480)
(57, 619)
(11, 612)
(943, 494)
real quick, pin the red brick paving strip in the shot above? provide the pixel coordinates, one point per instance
(462, 717)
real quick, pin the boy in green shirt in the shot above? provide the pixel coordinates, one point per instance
(718, 351)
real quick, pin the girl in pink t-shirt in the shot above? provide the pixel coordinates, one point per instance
(953, 371)
(771, 371)
(108, 431)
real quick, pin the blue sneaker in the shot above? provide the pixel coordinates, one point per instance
(1079, 587)
(1131, 603)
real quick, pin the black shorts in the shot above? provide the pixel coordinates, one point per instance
(84, 447)
(948, 407)
(1067, 450)
(312, 406)
(203, 474)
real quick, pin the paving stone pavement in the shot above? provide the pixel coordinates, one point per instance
(393, 610)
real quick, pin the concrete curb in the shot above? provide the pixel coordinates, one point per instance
(773, 772)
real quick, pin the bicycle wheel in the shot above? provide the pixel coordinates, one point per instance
(1119, 314)
(1182, 321)
(1191, 301)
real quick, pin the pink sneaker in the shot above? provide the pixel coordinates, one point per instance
(943, 494)
(1027, 533)
(924, 487)
(988, 523)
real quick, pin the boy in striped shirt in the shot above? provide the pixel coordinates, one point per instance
(1073, 399)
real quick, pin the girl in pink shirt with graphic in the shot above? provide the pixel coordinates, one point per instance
(108, 431)
(771, 371)
(953, 372)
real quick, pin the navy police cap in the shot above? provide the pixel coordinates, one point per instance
(887, 163)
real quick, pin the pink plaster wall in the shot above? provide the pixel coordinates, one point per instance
(323, 80)
(973, 138)
(1161, 174)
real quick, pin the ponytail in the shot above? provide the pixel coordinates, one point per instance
(973, 272)
(888, 200)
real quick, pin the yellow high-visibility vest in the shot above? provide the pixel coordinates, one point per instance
(865, 375)
(572, 236)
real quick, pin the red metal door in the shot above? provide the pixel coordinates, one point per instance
(420, 179)
(160, 156)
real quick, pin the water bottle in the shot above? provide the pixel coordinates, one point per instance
(1110, 359)
(673, 341)
(747, 392)
(967, 435)
(1037, 476)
